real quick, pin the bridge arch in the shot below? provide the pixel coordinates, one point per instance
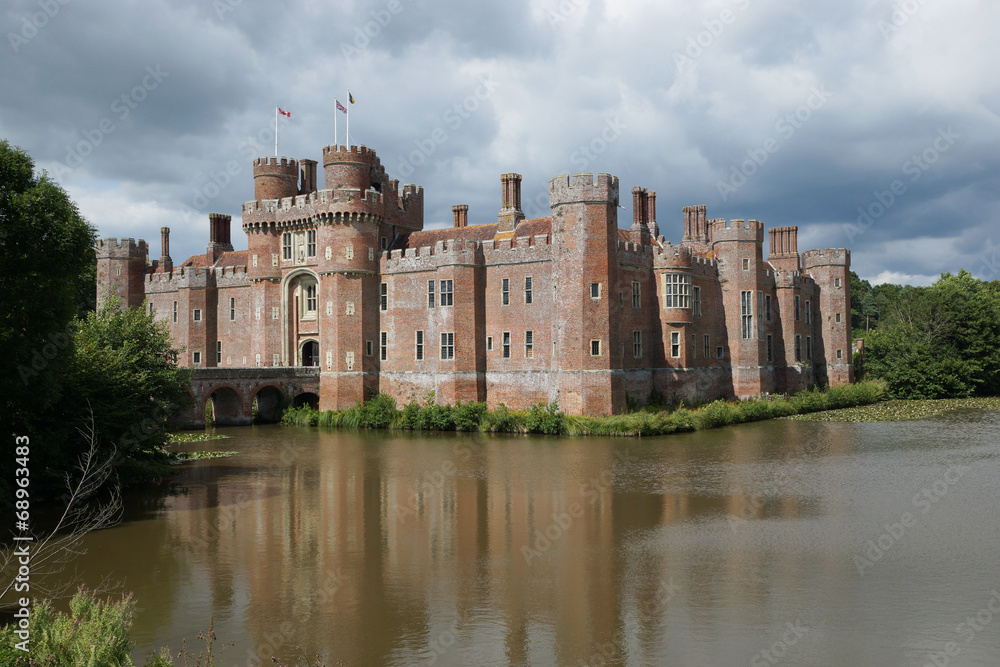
(270, 400)
(228, 405)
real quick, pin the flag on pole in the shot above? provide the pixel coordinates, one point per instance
(350, 97)
(340, 107)
(284, 113)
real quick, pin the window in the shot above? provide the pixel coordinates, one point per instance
(447, 292)
(677, 290)
(384, 243)
(311, 243)
(369, 348)
(196, 357)
(218, 351)
(798, 347)
(637, 344)
(276, 360)
(621, 299)
(448, 345)
(383, 345)
(489, 343)
(808, 312)
(746, 263)
(383, 298)
(232, 309)
(419, 346)
(838, 318)
(506, 345)
(809, 348)
(371, 254)
(595, 290)
(175, 311)
(719, 352)
(770, 349)
(767, 307)
(760, 322)
(708, 347)
(150, 310)
(836, 282)
(636, 297)
(310, 299)
(529, 344)
(694, 346)
(504, 291)
(286, 245)
(595, 348)
(675, 344)
(746, 310)
(258, 360)
(196, 315)
(430, 293)
(696, 294)
(796, 307)
(348, 307)
(840, 354)
(527, 290)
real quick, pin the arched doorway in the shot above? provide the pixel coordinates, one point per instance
(310, 353)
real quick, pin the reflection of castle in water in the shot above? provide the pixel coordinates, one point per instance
(514, 547)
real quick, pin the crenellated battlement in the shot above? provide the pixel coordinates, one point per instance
(430, 258)
(339, 206)
(271, 164)
(826, 257)
(196, 276)
(722, 230)
(126, 247)
(583, 188)
(355, 154)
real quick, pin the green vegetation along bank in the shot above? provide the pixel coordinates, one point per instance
(381, 412)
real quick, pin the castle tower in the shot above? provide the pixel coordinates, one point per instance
(510, 211)
(831, 320)
(738, 246)
(274, 178)
(585, 276)
(121, 271)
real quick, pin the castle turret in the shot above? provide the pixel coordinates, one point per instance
(121, 271)
(274, 178)
(585, 275)
(832, 352)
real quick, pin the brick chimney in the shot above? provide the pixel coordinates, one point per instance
(461, 213)
(307, 176)
(166, 264)
(783, 253)
(218, 235)
(510, 213)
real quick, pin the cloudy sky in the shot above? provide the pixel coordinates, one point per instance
(871, 124)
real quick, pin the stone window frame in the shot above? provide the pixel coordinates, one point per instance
(529, 344)
(595, 293)
(637, 344)
(418, 345)
(677, 290)
(446, 290)
(720, 352)
(636, 294)
(286, 246)
(430, 293)
(708, 346)
(218, 352)
(383, 297)
(383, 345)
(369, 348)
(232, 309)
(196, 315)
(489, 343)
(798, 348)
(675, 344)
(595, 347)
(175, 312)
(310, 243)
(746, 314)
(808, 311)
(505, 291)
(767, 307)
(310, 299)
(529, 296)
(770, 348)
(447, 345)
(196, 357)
(696, 300)
(505, 344)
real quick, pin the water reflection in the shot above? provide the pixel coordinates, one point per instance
(722, 547)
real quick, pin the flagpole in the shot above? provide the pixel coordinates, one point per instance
(335, 112)
(275, 130)
(348, 119)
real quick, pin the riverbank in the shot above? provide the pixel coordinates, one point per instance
(381, 412)
(900, 410)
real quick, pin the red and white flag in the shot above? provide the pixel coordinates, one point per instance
(340, 107)
(284, 113)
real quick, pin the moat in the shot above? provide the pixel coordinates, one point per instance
(782, 542)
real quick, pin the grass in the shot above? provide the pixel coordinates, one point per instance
(381, 412)
(175, 438)
(898, 410)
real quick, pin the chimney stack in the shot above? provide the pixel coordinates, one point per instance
(218, 235)
(461, 213)
(166, 264)
(510, 213)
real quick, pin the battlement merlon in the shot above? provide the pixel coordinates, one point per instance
(736, 230)
(126, 247)
(583, 189)
(840, 257)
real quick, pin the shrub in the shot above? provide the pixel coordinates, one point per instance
(468, 416)
(547, 419)
(378, 412)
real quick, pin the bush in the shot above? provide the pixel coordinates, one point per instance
(378, 412)
(547, 419)
(468, 416)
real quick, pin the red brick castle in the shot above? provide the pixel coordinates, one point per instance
(568, 307)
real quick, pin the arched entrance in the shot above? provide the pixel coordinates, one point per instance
(306, 398)
(267, 405)
(226, 407)
(310, 353)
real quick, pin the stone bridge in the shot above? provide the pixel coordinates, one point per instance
(231, 392)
